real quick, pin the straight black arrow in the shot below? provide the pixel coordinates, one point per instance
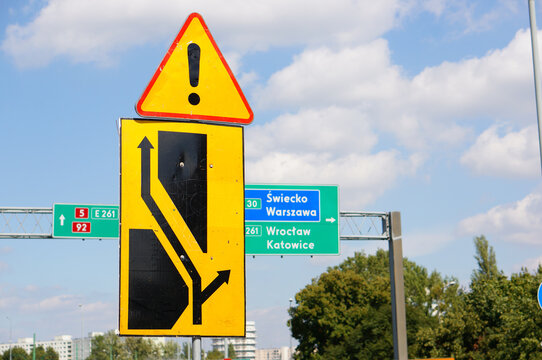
(145, 147)
(198, 296)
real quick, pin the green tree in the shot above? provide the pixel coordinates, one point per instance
(50, 354)
(496, 319)
(17, 353)
(170, 350)
(521, 329)
(231, 352)
(40, 352)
(215, 355)
(138, 348)
(486, 259)
(45, 354)
(106, 346)
(345, 313)
(186, 351)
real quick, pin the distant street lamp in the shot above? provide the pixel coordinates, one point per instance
(10, 332)
(82, 347)
(290, 349)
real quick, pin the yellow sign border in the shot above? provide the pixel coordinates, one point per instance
(224, 314)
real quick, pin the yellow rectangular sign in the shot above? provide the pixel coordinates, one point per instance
(182, 250)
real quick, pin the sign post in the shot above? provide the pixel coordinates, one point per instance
(292, 219)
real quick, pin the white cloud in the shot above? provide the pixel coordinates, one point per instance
(435, 6)
(7, 302)
(426, 242)
(429, 110)
(514, 154)
(329, 130)
(531, 264)
(518, 222)
(478, 21)
(362, 177)
(327, 76)
(499, 84)
(97, 30)
(6, 250)
(327, 146)
(57, 302)
(31, 288)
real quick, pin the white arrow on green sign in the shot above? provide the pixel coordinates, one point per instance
(291, 220)
(85, 221)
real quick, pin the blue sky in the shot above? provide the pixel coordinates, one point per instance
(424, 107)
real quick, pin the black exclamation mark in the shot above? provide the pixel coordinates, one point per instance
(193, 71)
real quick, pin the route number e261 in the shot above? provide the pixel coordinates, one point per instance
(105, 213)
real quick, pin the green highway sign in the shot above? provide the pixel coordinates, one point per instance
(85, 221)
(291, 220)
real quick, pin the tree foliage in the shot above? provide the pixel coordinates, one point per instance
(215, 355)
(170, 350)
(231, 352)
(18, 353)
(111, 346)
(345, 313)
(486, 259)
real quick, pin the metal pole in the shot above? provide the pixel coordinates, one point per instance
(398, 311)
(534, 44)
(290, 349)
(82, 341)
(196, 348)
(226, 348)
(10, 335)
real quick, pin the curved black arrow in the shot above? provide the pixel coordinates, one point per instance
(223, 277)
(198, 296)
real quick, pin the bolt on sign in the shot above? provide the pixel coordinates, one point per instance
(182, 254)
(193, 81)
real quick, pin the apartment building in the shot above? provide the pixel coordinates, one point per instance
(245, 348)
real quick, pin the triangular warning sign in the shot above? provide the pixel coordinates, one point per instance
(194, 81)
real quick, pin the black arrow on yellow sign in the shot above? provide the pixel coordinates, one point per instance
(199, 296)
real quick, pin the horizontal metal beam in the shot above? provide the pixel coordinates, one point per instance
(30, 223)
(25, 223)
(21, 210)
(362, 237)
(362, 214)
(26, 236)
